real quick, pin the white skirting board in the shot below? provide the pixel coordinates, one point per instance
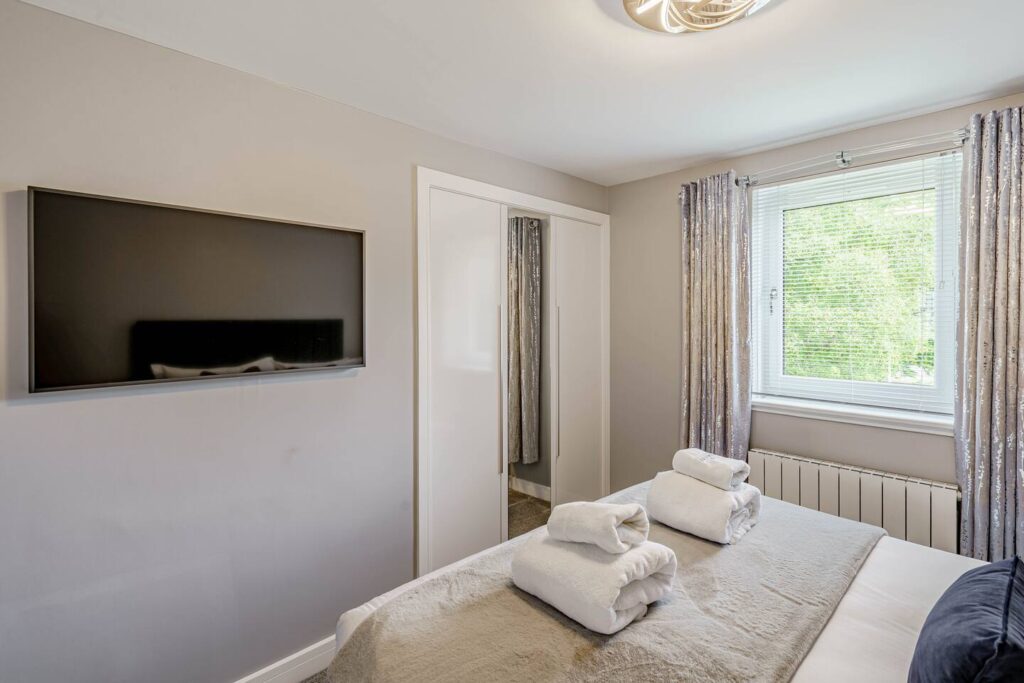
(529, 488)
(296, 667)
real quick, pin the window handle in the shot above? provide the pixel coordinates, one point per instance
(772, 296)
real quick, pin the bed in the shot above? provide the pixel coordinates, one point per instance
(868, 632)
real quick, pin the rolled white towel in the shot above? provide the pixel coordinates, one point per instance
(725, 473)
(604, 592)
(613, 528)
(694, 507)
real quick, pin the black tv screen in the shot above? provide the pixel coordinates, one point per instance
(129, 292)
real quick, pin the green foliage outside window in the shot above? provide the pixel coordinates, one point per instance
(858, 289)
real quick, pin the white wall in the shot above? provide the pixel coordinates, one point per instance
(646, 325)
(199, 532)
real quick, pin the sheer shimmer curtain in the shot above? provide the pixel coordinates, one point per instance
(989, 404)
(716, 316)
(524, 339)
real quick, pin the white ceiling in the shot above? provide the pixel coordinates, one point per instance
(571, 85)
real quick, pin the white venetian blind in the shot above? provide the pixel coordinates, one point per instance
(853, 281)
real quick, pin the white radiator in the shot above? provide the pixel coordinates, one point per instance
(916, 510)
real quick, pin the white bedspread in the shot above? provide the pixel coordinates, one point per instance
(871, 635)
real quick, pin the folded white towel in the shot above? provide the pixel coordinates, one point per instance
(613, 528)
(725, 473)
(694, 507)
(604, 592)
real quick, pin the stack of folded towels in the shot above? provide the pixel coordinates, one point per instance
(705, 495)
(594, 564)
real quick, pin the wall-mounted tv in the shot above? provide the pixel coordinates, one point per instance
(126, 292)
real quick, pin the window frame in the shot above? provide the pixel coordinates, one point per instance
(769, 379)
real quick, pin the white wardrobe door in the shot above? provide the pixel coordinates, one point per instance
(579, 330)
(465, 381)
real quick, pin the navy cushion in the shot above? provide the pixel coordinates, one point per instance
(975, 632)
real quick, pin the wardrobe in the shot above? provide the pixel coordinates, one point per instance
(462, 360)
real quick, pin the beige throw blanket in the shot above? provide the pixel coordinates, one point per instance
(744, 612)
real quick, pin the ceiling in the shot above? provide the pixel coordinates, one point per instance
(572, 85)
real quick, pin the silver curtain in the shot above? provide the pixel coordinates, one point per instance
(716, 316)
(523, 339)
(989, 403)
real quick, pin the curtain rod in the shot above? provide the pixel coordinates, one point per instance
(845, 158)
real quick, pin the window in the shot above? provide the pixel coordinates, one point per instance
(853, 285)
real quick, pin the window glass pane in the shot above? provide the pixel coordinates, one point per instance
(853, 279)
(858, 289)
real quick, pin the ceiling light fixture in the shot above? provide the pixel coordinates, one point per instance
(686, 16)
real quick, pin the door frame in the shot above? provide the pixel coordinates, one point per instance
(427, 179)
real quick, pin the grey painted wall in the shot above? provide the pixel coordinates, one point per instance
(645, 327)
(198, 533)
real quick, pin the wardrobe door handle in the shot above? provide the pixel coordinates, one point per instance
(501, 401)
(558, 382)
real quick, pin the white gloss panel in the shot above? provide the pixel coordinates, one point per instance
(578, 331)
(464, 419)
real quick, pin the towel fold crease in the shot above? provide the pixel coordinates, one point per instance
(613, 528)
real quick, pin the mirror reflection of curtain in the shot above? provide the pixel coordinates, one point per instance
(524, 235)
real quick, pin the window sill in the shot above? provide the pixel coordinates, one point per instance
(885, 418)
